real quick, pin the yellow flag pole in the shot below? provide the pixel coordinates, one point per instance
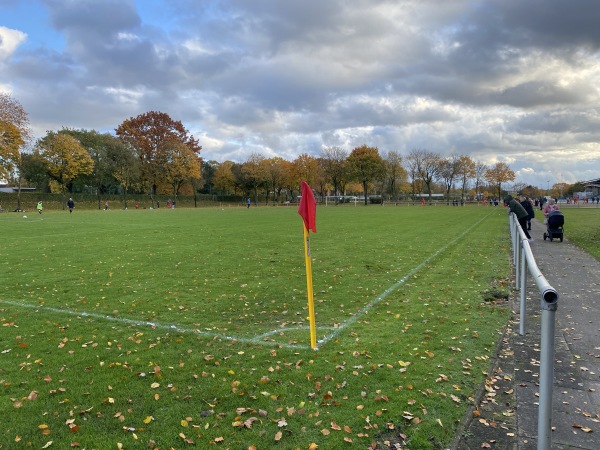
(309, 290)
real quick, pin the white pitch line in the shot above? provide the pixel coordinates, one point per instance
(155, 325)
(395, 286)
(259, 339)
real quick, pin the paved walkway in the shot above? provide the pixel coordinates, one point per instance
(507, 414)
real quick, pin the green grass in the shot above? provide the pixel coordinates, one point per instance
(159, 328)
(582, 227)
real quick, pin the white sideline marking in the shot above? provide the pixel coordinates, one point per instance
(155, 325)
(395, 286)
(259, 339)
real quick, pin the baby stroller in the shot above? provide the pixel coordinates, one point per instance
(556, 220)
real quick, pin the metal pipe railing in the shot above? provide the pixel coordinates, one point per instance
(525, 262)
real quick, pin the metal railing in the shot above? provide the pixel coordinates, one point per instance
(525, 262)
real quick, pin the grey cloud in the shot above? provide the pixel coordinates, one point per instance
(83, 18)
(538, 93)
(496, 79)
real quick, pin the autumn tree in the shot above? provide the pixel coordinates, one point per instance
(12, 111)
(224, 178)
(447, 173)
(413, 173)
(65, 158)
(10, 154)
(465, 171)
(208, 175)
(305, 167)
(426, 165)
(181, 164)
(366, 166)
(10, 144)
(95, 144)
(33, 170)
(123, 164)
(321, 181)
(333, 163)
(14, 124)
(574, 188)
(290, 179)
(254, 173)
(148, 134)
(275, 168)
(497, 174)
(531, 191)
(479, 175)
(395, 173)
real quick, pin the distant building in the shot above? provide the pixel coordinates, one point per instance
(4, 187)
(593, 186)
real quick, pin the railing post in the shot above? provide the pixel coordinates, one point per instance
(518, 249)
(523, 307)
(548, 306)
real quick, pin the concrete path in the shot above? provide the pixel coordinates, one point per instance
(507, 412)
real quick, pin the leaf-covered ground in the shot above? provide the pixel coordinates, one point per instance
(188, 328)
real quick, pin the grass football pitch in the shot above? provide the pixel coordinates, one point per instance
(188, 328)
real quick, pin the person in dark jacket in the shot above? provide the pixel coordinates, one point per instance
(71, 205)
(526, 203)
(515, 207)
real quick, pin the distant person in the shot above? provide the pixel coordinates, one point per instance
(40, 207)
(106, 205)
(526, 203)
(71, 205)
(516, 208)
(550, 206)
(248, 202)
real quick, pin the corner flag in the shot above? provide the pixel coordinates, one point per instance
(308, 210)
(308, 207)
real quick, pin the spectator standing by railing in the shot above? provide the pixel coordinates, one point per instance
(526, 203)
(522, 215)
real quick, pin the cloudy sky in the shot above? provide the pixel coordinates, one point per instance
(501, 80)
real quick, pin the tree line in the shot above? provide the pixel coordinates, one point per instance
(154, 154)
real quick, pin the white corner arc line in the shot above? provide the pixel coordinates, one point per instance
(174, 328)
(261, 338)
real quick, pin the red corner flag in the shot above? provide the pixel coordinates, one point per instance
(308, 208)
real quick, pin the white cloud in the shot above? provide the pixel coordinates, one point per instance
(9, 41)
